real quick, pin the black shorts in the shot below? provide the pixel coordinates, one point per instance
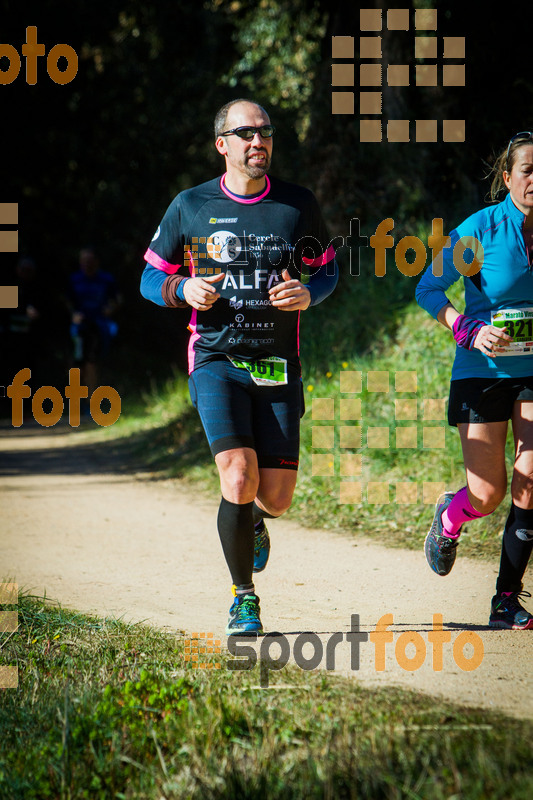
(487, 399)
(235, 412)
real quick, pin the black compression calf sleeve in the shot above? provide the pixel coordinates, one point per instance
(236, 531)
(260, 514)
(516, 549)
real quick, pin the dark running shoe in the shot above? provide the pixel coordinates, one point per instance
(244, 615)
(261, 547)
(506, 612)
(440, 550)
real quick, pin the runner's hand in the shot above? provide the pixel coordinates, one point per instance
(491, 339)
(291, 295)
(200, 293)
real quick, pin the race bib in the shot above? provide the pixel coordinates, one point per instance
(519, 324)
(266, 371)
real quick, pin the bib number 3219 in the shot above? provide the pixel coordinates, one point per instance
(519, 324)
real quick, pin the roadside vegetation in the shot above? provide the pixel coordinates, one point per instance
(108, 710)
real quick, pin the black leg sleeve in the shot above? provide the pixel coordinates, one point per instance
(516, 549)
(236, 531)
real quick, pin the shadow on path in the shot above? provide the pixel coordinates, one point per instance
(62, 450)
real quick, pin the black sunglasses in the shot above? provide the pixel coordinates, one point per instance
(521, 135)
(248, 132)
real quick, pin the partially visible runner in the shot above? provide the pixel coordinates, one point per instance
(248, 253)
(492, 377)
(94, 299)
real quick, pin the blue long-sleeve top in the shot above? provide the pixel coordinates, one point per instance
(505, 280)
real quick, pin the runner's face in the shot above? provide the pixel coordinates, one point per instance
(520, 180)
(250, 158)
(88, 262)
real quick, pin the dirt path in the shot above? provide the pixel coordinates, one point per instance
(84, 527)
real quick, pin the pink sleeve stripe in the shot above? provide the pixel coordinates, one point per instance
(238, 198)
(159, 263)
(192, 265)
(325, 258)
(192, 339)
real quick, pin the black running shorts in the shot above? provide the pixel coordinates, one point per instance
(235, 412)
(487, 399)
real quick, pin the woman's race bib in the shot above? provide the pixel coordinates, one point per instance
(519, 324)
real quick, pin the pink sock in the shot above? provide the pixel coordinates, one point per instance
(459, 511)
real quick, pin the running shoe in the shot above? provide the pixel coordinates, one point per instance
(506, 612)
(244, 615)
(440, 550)
(261, 546)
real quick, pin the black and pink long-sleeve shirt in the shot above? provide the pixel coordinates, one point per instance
(251, 239)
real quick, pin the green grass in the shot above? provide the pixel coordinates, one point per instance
(108, 710)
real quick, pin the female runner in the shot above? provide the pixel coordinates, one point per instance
(492, 375)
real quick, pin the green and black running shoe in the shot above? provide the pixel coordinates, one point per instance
(506, 612)
(244, 615)
(261, 547)
(440, 550)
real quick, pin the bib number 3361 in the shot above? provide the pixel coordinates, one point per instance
(265, 371)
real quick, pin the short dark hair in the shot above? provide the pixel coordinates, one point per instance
(222, 113)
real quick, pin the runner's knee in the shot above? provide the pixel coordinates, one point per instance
(487, 498)
(276, 503)
(522, 489)
(239, 476)
(276, 509)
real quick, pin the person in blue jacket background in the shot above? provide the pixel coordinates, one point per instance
(492, 375)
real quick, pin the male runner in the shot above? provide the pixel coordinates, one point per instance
(247, 253)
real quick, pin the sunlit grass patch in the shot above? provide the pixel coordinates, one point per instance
(106, 709)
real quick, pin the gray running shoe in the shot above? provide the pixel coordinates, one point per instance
(506, 612)
(440, 550)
